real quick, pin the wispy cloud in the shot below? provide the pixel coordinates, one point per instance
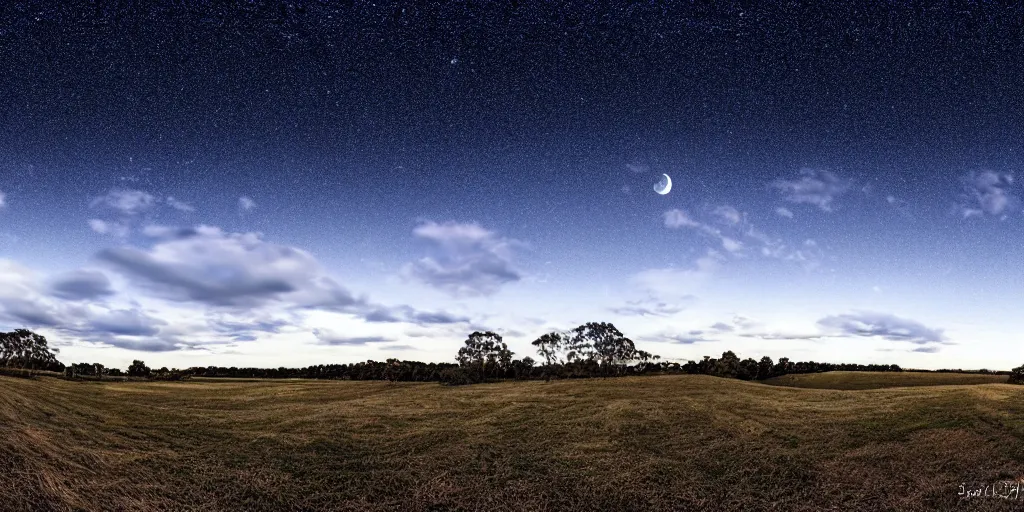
(245, 203)
(816, 187)
(653, 306)
(738, 233)
(677, 218)
(468, 260)
(127, 322)
(229, 269)
(180, 205)
(81, 285)
(682, 338)
(103, 227)
(384, 314)
(782, 211)
(3, 199)
(729, 215)
(126, 201)
(399, 347)
(676, 282)
(987, 193)
(882, 325)
(722, 326)
(327, 337)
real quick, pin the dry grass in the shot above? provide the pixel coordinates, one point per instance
(880, 380)
(642, 443)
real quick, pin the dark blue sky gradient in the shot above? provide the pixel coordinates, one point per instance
(350, 125)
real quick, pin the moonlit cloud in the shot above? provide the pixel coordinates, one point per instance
(736, 228)
(468, 260)
(127, 322)
(987, 193)
(180, 205)
(682, 338)
(30, 312)
(229, 269)
(731, 245)
(115, 229)
(782, 211)
(126, 201)
(882, 325)
(675, 282)
(245, 203)
(729, 215)
(652, 306)
(81, 285)
(677, 218)
(816, 187)
(327, 337)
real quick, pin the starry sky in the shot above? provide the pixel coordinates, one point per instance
(285, 184)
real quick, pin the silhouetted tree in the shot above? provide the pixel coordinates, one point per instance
(764, 368)
(728, 366)
(522, 368)
(782, 367)
(486, 354)
(602, 342)
(748, 369)
(25, 349)
(139, 369)
(548, 346)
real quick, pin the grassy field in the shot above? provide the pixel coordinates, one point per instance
(638, 443)
(879, 380)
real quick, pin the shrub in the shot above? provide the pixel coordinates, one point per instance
(459, 376)
(1017, 375)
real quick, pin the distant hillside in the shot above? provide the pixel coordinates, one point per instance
(879, 380)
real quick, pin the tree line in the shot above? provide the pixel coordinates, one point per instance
(595, 349)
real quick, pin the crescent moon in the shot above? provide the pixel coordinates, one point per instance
(664, 186)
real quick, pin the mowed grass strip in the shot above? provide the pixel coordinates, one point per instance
(881, 380)
(639, 443)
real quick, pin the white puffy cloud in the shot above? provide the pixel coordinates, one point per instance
(245, 203)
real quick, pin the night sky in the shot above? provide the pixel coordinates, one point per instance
(286, 184)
